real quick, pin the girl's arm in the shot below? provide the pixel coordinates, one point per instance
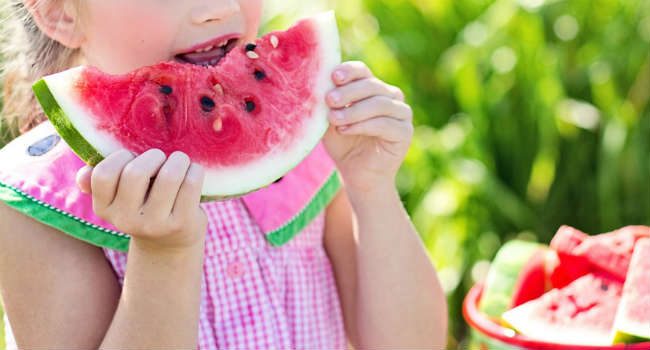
(389, 288)
(61, 293)
(390, 293)
(58, 292)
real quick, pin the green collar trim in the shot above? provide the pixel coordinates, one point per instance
(322, 198)
(102, 237)
(63, 221)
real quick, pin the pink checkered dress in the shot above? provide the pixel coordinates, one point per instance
(267, 281)
(256, 296)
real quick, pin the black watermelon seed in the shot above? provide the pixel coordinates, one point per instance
(167, 90)
(278, 180)
(207, 104)
(251, 47)
(604, 287)
(259, 75)
(250, 106)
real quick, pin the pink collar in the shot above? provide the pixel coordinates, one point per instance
(37, 178)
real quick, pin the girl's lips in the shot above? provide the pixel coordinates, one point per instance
(205, 46)
(208, 54)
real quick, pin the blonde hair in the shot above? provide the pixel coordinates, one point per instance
(28, 54)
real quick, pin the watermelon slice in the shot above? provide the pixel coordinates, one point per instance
(503, 275)
(248, 120)
(612, 251)
(632, 322)
(570, 266)
(582, 313)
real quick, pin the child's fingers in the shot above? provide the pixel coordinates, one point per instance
(135, 179)
(105, 178)
(163, 193)
(189, 195)
(369, 108)
(83, 179)
(350, 71)
(388, 129)
(360, 90)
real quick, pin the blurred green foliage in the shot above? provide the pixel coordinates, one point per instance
(529, 114)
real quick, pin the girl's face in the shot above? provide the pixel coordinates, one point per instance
(122, 35)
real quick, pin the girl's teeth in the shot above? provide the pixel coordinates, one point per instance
(205, 49)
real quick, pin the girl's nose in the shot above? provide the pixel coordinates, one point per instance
(214, 10)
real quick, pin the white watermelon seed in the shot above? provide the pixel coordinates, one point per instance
(274, 41)
(252, 55)
(218, 89)
(217, 125)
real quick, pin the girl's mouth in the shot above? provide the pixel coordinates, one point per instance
(208, 54)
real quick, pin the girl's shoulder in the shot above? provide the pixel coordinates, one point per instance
(38, 179)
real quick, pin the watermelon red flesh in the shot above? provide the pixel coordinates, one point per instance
(179, 121)
(567, 238)
(247, 121)
(580, 253)
(581, 313)
(612, 251)
(633, 315)
(532, 281)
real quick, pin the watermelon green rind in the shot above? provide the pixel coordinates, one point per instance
(222, 183)
(67, 130)
(63, 125)
(502, 276)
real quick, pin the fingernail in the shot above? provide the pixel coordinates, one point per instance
(343, 128)
(335, 97)
(338, 116)
(195, 171)
(339, 75)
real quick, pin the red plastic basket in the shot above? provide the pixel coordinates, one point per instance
(486, 334)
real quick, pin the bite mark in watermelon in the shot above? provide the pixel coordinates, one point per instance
(632, 323)
(247, 120)
(582, 313)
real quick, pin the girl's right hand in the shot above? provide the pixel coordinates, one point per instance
(163, 216)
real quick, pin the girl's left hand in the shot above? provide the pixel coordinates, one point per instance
(371, 128)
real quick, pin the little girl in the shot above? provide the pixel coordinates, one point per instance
(91, 257)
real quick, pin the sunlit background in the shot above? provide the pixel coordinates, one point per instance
(529, 114)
